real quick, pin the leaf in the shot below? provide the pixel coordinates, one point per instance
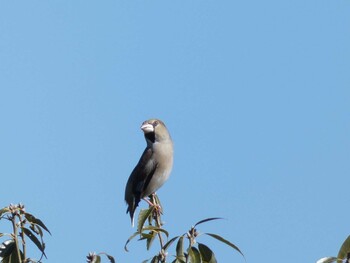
(327, 260)
(36, 229)
(344, 250)
(156, 229)
(96, 259)
(35, 240)
(111, 259)
(206, 253)
(7, 247)
(206, 220)
(8, 252)
(180, 249)
(129, 239)
(154, 259)
(168, 244)
(12, 258)
(143, 215)
(194, 255)
(150, 240)
(225, 241)
(3, 211)
(32, 219)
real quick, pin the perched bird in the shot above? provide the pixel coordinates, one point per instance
(154, 166)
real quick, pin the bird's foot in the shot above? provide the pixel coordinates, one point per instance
(153, 201)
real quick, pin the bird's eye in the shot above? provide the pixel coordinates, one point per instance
(155, 123)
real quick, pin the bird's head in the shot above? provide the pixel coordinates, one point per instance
(155, 130)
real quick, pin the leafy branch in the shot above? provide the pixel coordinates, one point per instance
(150, 227)
(24, 225)
(343, 254)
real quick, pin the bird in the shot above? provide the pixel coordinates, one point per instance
(154, 167)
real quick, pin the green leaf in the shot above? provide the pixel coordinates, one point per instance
(226, 242)
(207, 254)
(206, 220)
(96, 259)
(156, 229)
(12, 258)
(150, 240)
(154, 259)
(344, 250)
(111, 259)
(146, 235)
(7, 247)
(3, 211)
(180, 249)
(327, 260)
(34, 239)
(194, 255)
(129, 239)
(168, 244)
(32, 219)
(8, 252)
(143, 215)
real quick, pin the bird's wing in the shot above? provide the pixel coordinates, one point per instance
(138, 181)
(143, 172)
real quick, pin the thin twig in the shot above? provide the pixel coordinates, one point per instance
(23, 238)
(15, 234)
(159, 225)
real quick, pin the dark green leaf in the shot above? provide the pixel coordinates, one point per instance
(8, 252)
(12, 258)
(34, 239)
(7, 247)
(206, 220)
(225, 241)
(344, 250)
(129, 239)
(32, 219)
(180, 249)
(111, 259)
(154, 259)
(143, 215)
(36, 229)
(194, 255)
(168, 244)
(207, 254)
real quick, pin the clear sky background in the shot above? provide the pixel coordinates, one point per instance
(256, 95)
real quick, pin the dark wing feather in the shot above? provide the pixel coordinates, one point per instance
(138, 180)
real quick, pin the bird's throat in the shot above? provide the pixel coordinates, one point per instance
(150, 136)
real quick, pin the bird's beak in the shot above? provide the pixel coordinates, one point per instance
(146, 127)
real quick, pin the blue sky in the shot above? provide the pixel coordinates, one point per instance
(256, 96)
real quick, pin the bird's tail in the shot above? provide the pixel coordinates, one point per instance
(131, 209)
